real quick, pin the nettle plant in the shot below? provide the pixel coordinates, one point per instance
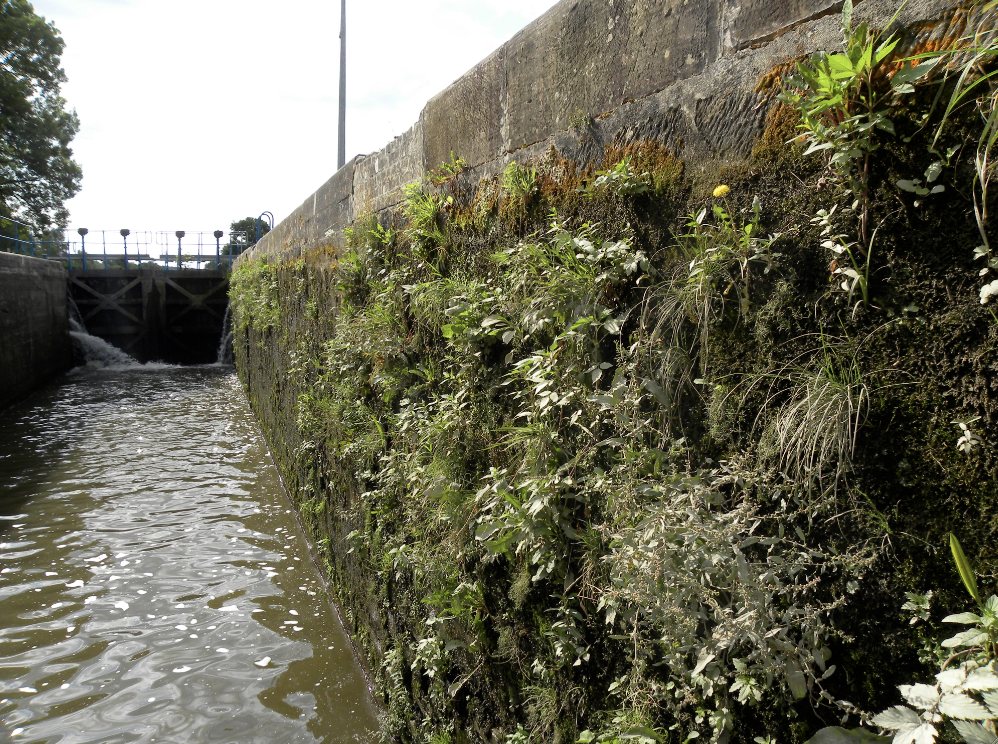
(963, 698)
(851, 266)
(560, 301)
(620, 179)
(844, 99)
(727, 599)
(727, 254)
(843, 109)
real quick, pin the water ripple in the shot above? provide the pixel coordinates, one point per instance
(153, 586)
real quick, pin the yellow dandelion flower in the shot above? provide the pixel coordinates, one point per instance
(721, 190)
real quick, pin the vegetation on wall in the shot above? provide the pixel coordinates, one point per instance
(607, 452)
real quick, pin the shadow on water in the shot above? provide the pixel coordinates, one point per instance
(154, 584)
(32, 453)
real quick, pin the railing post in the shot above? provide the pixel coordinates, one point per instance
(83, 246)
(125, 232)
(218, 248)
(180, 236)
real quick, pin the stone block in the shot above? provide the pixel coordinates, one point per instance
(466, 119)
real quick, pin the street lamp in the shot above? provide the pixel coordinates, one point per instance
(180, 235)
(341, 156)
(257, 229)
(83, 245)
(218, 248)
(125, 232)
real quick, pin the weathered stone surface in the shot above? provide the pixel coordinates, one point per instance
(592, 72)
(585, 58)
(754, 22)
(34, 324)
(469, 112)
(379, 178)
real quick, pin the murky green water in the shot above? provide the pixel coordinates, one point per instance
(154, 586)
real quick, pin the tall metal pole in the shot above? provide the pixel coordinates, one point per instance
(341, 157)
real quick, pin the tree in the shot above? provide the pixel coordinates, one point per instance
(244, 233)
(37, 171)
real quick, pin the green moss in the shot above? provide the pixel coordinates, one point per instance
(490, 420)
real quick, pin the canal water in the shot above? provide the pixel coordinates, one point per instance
(154, 585)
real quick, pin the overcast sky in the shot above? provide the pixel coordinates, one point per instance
(195, 113)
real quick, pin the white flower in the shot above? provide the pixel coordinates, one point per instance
(988, 291)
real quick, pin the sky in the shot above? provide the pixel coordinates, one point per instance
(196, 113)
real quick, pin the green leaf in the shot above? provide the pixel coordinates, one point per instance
(981, 679)
(841, 67)
(838, 735)
(964, 568)
(642, 734)
(963, 707)
(906, 76)
(797, 683)
(974, 733)
(897, 718)
(885, 49)
(933, 171)
(847, 17)
(963, 618)
(968, 638)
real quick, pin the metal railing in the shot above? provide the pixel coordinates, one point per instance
(95, 250)
(17, 237)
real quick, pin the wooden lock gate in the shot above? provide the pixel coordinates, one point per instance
(154, 314)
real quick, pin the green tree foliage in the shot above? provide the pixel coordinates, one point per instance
(243, 233)
(37, 171)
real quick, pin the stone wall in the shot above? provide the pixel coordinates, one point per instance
(328, 389)
(590, 72)
(33, 324)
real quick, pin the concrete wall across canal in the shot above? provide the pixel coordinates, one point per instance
(35, 344)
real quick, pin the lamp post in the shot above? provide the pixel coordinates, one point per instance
(125, 232)
(83, 245)
(257, 229)
(180, 236)
(341, 156)
(218, 248)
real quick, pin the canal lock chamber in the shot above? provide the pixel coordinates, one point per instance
(154, 581)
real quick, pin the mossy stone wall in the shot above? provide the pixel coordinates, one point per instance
(593, 448)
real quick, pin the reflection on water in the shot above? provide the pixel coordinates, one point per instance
(153, 583)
